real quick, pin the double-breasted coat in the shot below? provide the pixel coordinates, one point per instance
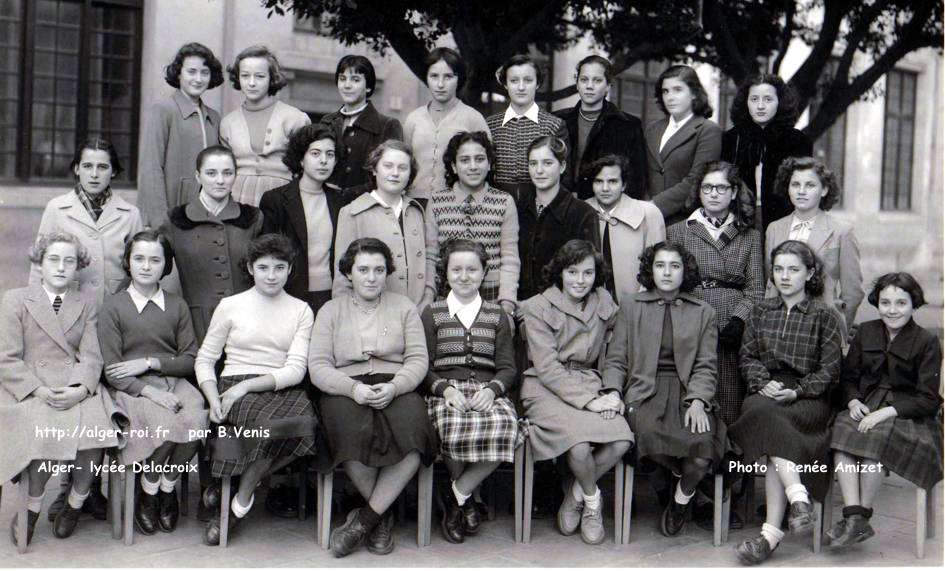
(674, 171)
(356, 141)
(42, 348)
(209, 252)
(835, 244)
(103, 238)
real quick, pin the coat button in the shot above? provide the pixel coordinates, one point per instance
(347, 169)
(225, 275)
(269, 130)
(415, 231)
(419, 254)
(42, 363)
(227, 291)
(94, 283)
(67, 361)
(420, 276)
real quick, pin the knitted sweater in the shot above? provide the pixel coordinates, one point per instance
(483, 352)
(493, 223)
(511, 143)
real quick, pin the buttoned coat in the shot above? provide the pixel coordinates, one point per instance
(104, 239)
(356, 142)
(366, 217)
(209, 252)
(40, 348)
(633, 353)
(639, 224)
(835, 244)
(674, 171)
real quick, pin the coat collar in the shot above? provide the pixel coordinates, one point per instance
(115, 208)
(650, 296)
(558, 207)
(369, 120)
(366, 202)
(901, 346)
(192, 214)
(187, 107)
(55, 325)
(776, 302)
(820, 232)
(628, 210)
(655, 130)
(599, 302)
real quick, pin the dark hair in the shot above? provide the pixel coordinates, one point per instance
(594, 58)
(743, 204)
(299, 141)
(691, 277)
(194, 49)
(827, 179)
(277, 79)
(365, 246)
(787, 112)
(687, 75)
(391, 145)
(97, 144)
(815, 285)
(557, 147)
(44, 241)
(518, 59)
(901, 280)
(148, 236)
(571, 253)
(275, 245)
(358, 64)
(214, 150)
(452, 59)
(452, 149)
(453, 246)
(591, 170)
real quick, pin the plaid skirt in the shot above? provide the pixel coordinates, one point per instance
(270, 424)
(471, 436)
(911, 448)
(489, 291)
(731, 388)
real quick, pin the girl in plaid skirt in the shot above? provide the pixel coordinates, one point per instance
(472, 369)
(890, 386)
(269, 419)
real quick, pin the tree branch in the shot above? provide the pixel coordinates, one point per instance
(541, 18)
(729, 58)
(787, 33)
(806, 77)
(856, 36)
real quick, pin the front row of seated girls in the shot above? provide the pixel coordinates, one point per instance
(370, 351)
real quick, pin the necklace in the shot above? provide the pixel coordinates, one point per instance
(589, 118)
(365, 310)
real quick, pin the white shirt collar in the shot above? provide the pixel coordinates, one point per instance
(141, 301)
(677, 125)
(212, 206)
(52, 296)
(398, 208)
(465, 313)
(531, 114)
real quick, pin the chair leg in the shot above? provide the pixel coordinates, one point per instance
(325, 485)
(717, 521)
(930, 517)
(491, 500)
(818, 525)
(22, 512)
(225, 510)
(619, 475)
(828, 513)
(129, 517)
(424, 505)
(527, 488)
(749, 499)
(182, 492)
(726, 513)
(114, 498)
(921, 521)
(303, 486)
(627, 504)
(519, 477)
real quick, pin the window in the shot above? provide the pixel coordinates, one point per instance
(636, 87)
(70, 69)
(898, 134)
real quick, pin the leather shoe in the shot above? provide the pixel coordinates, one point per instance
(211, 535)
(96, 504)
(211, 495)
(349, 536)
(569, 514)
(674, 519)
(66, 521)
(204, 512)
(57, 504)
(856, 529)
(453, 520)
(470, 517)
(31, 519)
(381, 541)
(592, 525)
(168, 511)
(801, 517)
(754, 551)
(146, 514)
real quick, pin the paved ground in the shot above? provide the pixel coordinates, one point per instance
(266, 541)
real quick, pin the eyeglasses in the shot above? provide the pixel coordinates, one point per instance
(718, 188)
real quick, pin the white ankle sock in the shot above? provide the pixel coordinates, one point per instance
(167, 485)
(592, 501)
(34, 504)
(460, 497)
(772, 534)
(76, 499)
(149, 487)
(796, 493)
(680, 497)
(238, 509)
(577, 492)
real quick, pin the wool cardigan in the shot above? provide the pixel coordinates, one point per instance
(633, 354)
(234, 134)
(335, 355)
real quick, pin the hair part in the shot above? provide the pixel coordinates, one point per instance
(453, 59)
(194, 49)
(370, 164)
(691, 276)
(97, 144)
(38, 250)
(687, 75)
(574, 252)
(787, 113)
(299, 142)
(358, 64)
(452, 150)
(148, 236)
(365, 246)
(277, 79)
(902, 280)
(558, 147)
(214, 150)
(815, 285)
(501, 75)
(455, 246)
(828, 180)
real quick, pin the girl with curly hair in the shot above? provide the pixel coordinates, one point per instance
(762, 136)
(472, 372)
(258, 131)
(813, 189)
(179, 127)
(790, 358)
(573, 411)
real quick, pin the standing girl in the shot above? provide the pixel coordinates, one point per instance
(179, 127)
(679, 146)
(148, 345)
(790, 357)
(258, 131)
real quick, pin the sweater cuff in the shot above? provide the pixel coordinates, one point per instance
(439, 387)
(497, 387)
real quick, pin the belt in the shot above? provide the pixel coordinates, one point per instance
(578, 366)
(719, 284)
